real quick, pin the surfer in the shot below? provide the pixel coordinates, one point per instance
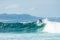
(39, 21)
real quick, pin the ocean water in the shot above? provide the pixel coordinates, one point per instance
(55, 19)
(50, 32)
(52, 27)
(29, 36)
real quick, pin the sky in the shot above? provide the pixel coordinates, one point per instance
(40, 8)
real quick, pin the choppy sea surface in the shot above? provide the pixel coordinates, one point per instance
(29, 36)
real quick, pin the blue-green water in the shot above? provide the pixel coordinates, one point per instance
(20, 27)
(29, 36)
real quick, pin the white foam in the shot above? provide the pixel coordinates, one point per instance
(52, 27)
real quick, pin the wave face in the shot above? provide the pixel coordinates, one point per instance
(21, 27)
(51, 27)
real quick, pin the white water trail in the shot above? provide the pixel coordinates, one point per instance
(51, 27)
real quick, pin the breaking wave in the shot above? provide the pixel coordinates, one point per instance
(51, 27)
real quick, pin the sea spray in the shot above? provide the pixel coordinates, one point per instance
(52, 27)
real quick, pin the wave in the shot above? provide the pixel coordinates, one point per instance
(51, 27)
(47, 26)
